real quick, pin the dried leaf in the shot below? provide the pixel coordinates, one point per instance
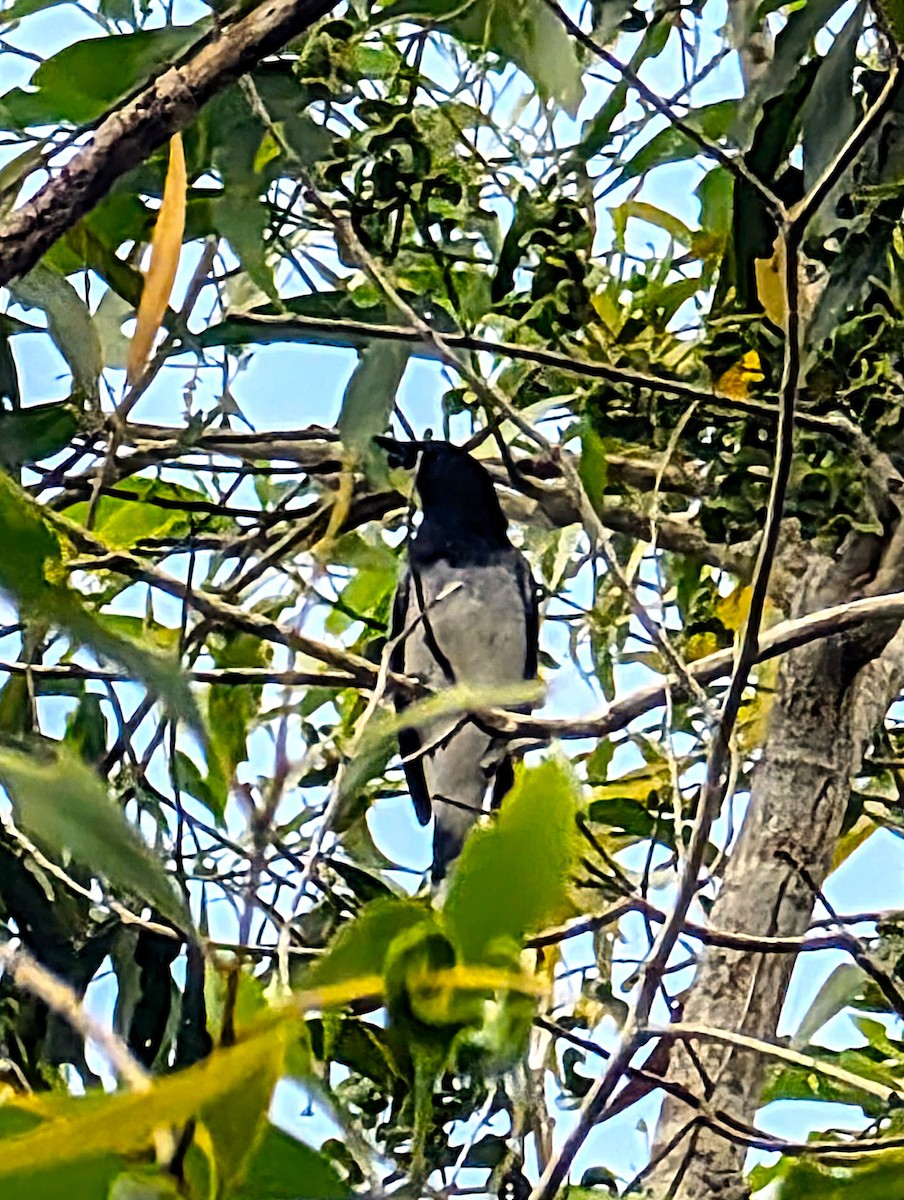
(161, 273)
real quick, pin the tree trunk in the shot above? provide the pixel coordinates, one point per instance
(830, 697)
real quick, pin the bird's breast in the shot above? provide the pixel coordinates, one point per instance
(475, 616)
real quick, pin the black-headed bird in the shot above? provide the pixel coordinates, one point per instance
(465, 612)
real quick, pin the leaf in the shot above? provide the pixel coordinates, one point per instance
(368, 402)
(594, 465)
(124, 1123)
(360, 948)
(28, 435)
(146, 508)
(842, 986)
(831, 92)
(14, 173)
(642, 211)
(735, 382)
(80, 82)
(238, 214)
(161, 274)
(63, 804)
(231, 710)
(526, 32)
(791, 44)
(32, 574)
(712, 122)
(24, 8)
(69, 324)
(733, 609)
(92, 1176)
(513, 878)
(770, 284)
(282, 1168)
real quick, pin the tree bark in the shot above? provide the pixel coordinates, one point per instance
(830, 697)
(126, 137)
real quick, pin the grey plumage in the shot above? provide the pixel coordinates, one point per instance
(465, 612)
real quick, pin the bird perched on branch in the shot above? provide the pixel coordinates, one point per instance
(465, 613)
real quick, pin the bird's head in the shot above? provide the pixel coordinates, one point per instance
(455, 489)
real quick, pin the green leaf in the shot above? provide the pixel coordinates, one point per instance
(831, 92)
(512, 879)
(146, 508)
(86, 729)
(361, 947)
(32, 574)
(210, 789)
(525, 32)
(642, 211)
(369, 399)
(25, 8)
(92, 1176)
(596, 132)
(231, 710)
(28, 435)
(594, 465)
(83, 80)
(282, 1168)
(64, 805)
(239, 214)
(793, 42)
(712, 122)
(149, 1184)
(69, 324)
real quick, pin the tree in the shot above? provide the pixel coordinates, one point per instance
(692, 408)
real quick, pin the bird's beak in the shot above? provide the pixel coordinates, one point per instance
(399, 454)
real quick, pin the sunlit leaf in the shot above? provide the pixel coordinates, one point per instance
(514, 877)
(123, 1123)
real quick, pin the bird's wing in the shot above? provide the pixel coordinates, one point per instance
(530, 601)
(409, 739)
(531, 604)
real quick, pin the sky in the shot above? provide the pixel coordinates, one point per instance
(293, 386)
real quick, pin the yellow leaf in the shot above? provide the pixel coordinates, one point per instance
(753, 720)
(123, 1123)
(736, 381)
(770, 284)
(699, 645)
(864, 827)
(335, 995)
(732, 609)
(479, 978)
(161, 272)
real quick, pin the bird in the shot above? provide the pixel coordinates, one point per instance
(465, 612)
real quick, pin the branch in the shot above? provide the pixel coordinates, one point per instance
(778, 640)
(127, 136)
(726, 1037)
(356, 333)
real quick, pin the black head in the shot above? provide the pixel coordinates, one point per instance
(457, 493)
